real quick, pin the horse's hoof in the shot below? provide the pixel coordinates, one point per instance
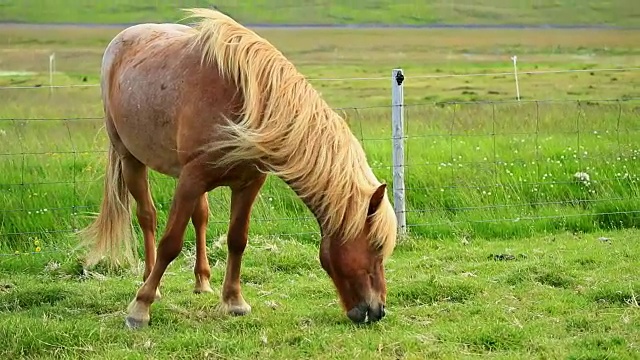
(238, 309)
(134, 324)
(200, 289)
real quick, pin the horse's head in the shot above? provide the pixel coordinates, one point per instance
(356, 264)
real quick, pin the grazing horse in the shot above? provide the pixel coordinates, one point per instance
(217, 105)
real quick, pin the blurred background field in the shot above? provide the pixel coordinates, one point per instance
(491, 12)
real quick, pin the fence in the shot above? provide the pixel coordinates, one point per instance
(463, 168)
(591, 183)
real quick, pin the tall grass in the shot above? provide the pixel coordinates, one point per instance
(513, 169)
(496, 170)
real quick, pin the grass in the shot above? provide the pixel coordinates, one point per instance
(486, 176)
(563, 296)
(617, 12)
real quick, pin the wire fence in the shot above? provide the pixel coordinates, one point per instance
(486, 168)
(507, 168)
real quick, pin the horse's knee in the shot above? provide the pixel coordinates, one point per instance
(202, 212)
(236, 244)
(169, 249)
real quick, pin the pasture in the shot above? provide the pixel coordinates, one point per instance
(572, 12)
(486, 177)
(564, 296)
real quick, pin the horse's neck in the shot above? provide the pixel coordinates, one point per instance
(314, 202)
(308, 202)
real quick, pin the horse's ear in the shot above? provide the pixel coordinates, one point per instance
(376, 199)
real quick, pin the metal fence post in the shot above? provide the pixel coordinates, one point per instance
(397, 118)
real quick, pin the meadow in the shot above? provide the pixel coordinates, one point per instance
(561, 297)
(487, 12)
(508, 254)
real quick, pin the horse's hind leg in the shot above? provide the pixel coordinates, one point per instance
(202, 270)
(242, 200)
(136, 178)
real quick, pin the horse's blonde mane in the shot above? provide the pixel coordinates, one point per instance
(287, 126)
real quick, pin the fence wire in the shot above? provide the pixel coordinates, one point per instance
(484, 168)
(504, 168)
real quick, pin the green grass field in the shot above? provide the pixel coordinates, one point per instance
(482, 178)
(572, 12)
(562, 297)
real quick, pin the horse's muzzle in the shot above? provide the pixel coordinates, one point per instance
(365, 312)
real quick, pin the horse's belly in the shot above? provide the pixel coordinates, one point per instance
(150, 140)
(145, 119)
(145, 127)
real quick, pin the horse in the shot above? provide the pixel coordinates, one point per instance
(214, 104)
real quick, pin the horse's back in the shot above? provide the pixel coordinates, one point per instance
(131, 39)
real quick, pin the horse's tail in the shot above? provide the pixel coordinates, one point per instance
(111, 233)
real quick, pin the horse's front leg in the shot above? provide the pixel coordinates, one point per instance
(188, 193)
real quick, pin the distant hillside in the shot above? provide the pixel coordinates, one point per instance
(415, 12)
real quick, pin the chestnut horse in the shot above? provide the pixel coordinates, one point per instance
(217, 105)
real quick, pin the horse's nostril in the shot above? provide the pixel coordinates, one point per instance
(358, 314)
(365, 313)
(376, 313)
